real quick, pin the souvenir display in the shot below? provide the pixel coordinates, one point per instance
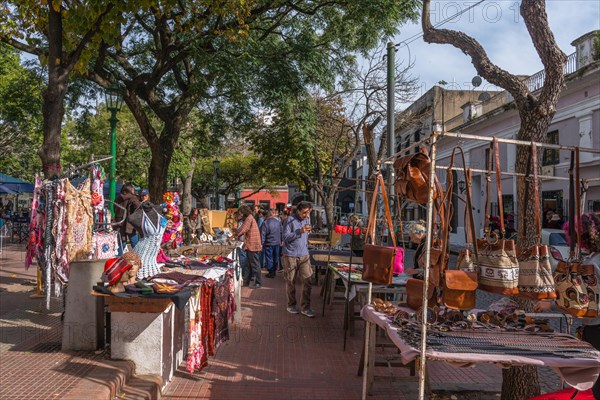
(172, 236)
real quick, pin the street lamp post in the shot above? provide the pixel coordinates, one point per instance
(114, 102)
(216, 170)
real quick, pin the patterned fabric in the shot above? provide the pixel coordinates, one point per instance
(60, 259)
(149, 243)
(220, 306)
(498, 266)
(208, 321)
(535, 273)
(36, 226)
(105, 245)
(79, 221)
(249, 230)
(577, 288)
(195, 345)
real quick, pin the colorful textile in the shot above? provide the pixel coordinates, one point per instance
(220, 310)
(172, 234)
(79, 220)
(35, 243)
(195, 345)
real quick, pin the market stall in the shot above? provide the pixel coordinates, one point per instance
(416, 180)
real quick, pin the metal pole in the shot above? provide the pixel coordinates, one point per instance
(113, 161)
(430, 214)
(391, 106)
(367, 341)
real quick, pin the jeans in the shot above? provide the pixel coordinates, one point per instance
(272, 258)
(253, 267)
(243, 262)
(133, 239)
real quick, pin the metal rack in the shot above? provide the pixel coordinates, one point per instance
(433, 140)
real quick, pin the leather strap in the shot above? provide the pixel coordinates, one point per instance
(577, 205)
(536, 196)
(372, 213)
(499, 185)
(572, 206)
(470, 227)
(494, 154)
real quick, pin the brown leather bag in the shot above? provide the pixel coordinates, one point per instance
(412, 177)
(414, 293)
(378, 261)
(378, 264)
(459, 287)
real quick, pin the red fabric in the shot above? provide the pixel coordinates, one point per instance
(566, 394)
(114, 268)
(249, 230)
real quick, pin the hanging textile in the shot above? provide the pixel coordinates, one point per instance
(60, 261)
(79, 221)
(195, 345)
(220, 309)
(35, 244)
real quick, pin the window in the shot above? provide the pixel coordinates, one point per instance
(551, 156)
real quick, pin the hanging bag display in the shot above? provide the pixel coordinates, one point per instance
(412, 177)
(535, 271)
(378, 261)
(459, 287)
(497, 257)
(576, 282)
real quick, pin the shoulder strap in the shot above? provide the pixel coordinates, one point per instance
(577, 205)
(499, 185)
(372, 215)
(572, 206)
(536, 197)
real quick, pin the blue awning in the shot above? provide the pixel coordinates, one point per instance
(15, 184)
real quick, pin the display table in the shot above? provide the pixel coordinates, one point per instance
(355, 290)
(577, 371)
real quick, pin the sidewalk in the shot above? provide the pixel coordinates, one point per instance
(271, 354)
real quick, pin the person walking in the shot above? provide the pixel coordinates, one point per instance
(252, 246)
(270, 233)
(296, 260)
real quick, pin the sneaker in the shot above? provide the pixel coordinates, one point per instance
(293, 310)
(270, 275)
(280, 271)
(309, 313)
(256, 286)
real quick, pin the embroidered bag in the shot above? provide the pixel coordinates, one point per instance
(576, 283)
(535, 271)
(497, 256)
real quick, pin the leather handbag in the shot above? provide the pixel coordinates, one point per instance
(412, 177)
(378, 261)
(535, 271)
(414, 293)
(497, 256)
(576, 283)
(459, 287)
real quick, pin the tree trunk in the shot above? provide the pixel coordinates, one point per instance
(329, 214)
(187, 188)
(520, 383)
(53, 108)
(53, 111)
(159, 164)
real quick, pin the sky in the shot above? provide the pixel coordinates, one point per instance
(500, 29)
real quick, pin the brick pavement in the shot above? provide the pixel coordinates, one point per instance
(271, 354)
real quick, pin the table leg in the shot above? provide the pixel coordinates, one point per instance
(371, 358)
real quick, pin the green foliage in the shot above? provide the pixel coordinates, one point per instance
(20, 116)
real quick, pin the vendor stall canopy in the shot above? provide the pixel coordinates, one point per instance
(12, 185)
